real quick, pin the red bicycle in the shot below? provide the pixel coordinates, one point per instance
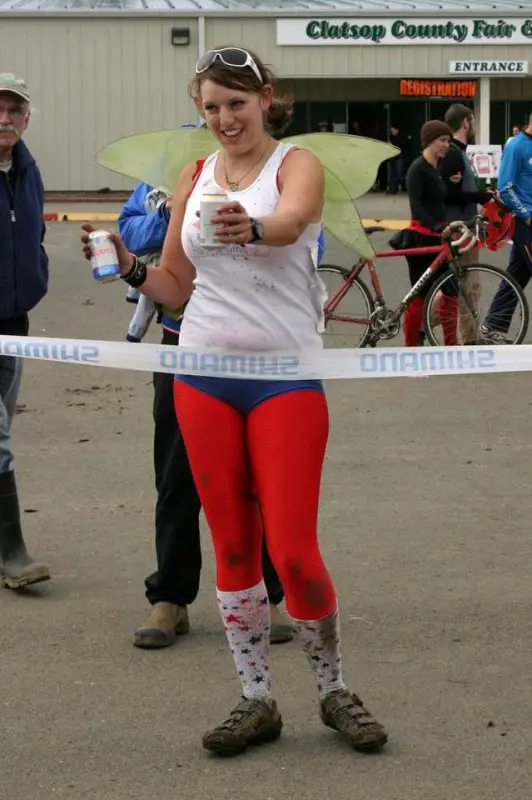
(490, 306)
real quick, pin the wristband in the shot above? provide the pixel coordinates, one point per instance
(137, 274)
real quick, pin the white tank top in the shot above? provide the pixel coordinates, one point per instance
(253, 297)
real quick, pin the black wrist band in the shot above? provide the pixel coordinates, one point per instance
(137, 274)
(163, 211)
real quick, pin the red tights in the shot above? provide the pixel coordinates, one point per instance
(273, 455)
(448, 319)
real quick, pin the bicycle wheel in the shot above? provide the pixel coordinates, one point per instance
(480, 304)
(346, 325)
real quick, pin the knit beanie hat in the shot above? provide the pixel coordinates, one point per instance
(433, 130)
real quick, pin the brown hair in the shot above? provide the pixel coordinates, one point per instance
(278, 116)
(456, 114)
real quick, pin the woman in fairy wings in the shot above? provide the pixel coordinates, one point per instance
(252, 442)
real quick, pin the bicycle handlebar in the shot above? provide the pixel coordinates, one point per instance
(470, 233)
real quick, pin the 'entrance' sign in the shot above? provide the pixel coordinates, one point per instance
(517, 68)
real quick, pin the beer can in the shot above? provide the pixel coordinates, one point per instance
(209, 202)
(104, 258)
(132, 295)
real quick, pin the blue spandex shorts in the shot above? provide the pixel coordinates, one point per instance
(245, 395)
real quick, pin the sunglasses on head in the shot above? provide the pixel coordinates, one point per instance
(231, 57)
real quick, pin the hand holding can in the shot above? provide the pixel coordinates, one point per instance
(211, 199)
(107, 253)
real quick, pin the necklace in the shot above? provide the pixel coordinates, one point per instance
(235, 185)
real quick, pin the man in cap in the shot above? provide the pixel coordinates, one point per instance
(23, 283)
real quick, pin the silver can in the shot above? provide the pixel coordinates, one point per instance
(209, 202)
(104, 258)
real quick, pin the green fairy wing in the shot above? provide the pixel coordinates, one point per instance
(157, 157)
(350, 164)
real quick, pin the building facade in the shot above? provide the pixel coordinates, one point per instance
(102, 69)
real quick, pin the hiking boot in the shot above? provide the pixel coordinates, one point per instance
(22, 571)
(344, 712)
(252, 722)
(165, 622)
(281, 629)
(17, 568)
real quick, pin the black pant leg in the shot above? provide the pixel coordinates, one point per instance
(503, 305)
(177, 534)
(271, 578)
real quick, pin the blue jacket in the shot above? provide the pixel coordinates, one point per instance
(321, 245)
(23, 260)
(515, 175)
(141, 232)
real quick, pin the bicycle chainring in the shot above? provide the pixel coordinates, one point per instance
(384, 324)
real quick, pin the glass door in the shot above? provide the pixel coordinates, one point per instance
(333, 115)
(519, 113)
(408, 116)
(368, 119)
(300, 120)
(498, 122)
(438, 106)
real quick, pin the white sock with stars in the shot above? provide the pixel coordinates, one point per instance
(320, 639)
(246, 618)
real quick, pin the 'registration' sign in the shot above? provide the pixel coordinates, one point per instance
(409, 31)
(417, 88)
(516, 68)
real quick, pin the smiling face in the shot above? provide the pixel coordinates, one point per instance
(234, 116)
(14, 117)
(440, 146)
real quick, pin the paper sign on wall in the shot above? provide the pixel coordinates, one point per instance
(485, 160)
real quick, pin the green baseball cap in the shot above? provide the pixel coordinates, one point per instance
(10, 83)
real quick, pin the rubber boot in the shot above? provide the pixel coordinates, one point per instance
(413, 322)
(17, 568)
(449, 319)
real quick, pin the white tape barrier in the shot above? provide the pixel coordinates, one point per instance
(323, 364)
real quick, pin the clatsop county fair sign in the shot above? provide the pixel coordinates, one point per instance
(422, 31)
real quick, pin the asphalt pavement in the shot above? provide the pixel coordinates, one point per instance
(425, 525)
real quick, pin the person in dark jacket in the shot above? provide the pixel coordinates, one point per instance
(23, 283)
(142, 224)
(426, 195)
(462, 201)
(463, 195)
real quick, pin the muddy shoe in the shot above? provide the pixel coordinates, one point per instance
(252, 722)
(344, 712)
(281, 629)
(165, 623)
(21, 572)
